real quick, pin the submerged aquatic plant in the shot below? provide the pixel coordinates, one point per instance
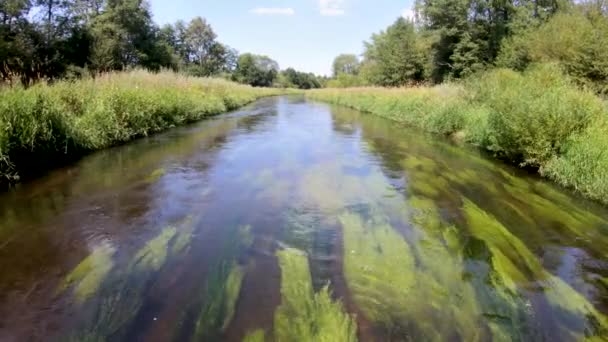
(219, 301)
(87, 277)
(222, 287)
(515, 266)
(155, 175)
(121, 297)
(379, 268)
(303, 314)
(258, 335)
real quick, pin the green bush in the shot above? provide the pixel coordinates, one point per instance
(532, 114)
(46, 124)
(583, 163)
(575, 40)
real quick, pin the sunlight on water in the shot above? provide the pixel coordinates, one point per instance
(291, 220)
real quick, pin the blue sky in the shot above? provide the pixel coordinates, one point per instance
(303, 34)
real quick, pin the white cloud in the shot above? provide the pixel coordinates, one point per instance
(408, 14)
(273, 11)
(332, 7)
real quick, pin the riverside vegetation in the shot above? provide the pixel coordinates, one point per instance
(44, 124)
(538, 119)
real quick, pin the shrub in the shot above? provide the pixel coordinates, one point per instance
(583, 163)
(46, 124)
(532, 114)
(576, 41)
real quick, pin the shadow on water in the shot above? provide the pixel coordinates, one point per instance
(293, 220)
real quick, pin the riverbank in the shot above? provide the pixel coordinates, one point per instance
(536, 119)
(47, 125)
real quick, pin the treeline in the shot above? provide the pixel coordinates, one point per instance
(55, 39)
(451, 39)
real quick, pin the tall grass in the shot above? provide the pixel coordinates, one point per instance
(47, 124)
(537, 119)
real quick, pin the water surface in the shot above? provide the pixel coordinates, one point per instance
(293, 220)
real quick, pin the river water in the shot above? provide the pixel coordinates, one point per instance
(291, 220)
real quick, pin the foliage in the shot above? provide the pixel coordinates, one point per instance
(346, 81)
(196, 49)
(394, 57)
(533, 114)
(345, 64)
(449, 39)
(574, 40)
(583, 163)
(48, 39)
(295, 79)
(255, 70)
(46, 124)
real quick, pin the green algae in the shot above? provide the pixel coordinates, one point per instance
(121, 297)
(86, 278)
(258, 335)
(515, 266)
(233, 289)
(155, 175)
(423, 176)
(219, 297)
(415, 291)
(303, 314)
(378, 266)
(450, 307)
(154, 254)
(575, 223)
(184, 236)
(419, 162)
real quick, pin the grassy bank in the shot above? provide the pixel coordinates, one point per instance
(537, 119)
(46, 125)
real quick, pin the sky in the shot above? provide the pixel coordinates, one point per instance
(303, 34)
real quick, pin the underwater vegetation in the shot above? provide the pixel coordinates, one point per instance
(87, 276)
(516, 268)
(303, 314)
(415, 291)
(155, 175)
(255, 336)
(116, 302)
(378, 267)
(217, 302)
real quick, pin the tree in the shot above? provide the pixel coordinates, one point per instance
(300, 80)
(125, 36)
(256, 70)
(470, 33)
(394, 57)
(200, 39)
(346, 64)
(575, 40)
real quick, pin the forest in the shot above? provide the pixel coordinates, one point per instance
(59, 39)
(443, 40)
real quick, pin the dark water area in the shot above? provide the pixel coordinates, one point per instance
(291, 220)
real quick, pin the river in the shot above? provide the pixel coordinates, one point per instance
(295, 220)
